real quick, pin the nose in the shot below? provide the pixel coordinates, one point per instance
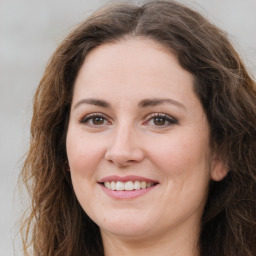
(124, 148)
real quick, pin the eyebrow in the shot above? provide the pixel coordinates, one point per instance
(156, 102)
(96, 102)
(143, 104)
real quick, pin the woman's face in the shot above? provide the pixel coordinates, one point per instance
(138, 142)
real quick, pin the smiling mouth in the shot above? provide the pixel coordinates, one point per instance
(128, 185)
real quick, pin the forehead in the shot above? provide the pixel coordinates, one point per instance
(135, 64)
(134, 54)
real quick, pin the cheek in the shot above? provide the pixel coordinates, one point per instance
(83, 153)
(183, 163)
(83, 158)
(180, 151)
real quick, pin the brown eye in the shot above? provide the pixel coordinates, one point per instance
(98, 120)
(94, 120)
(159, 121)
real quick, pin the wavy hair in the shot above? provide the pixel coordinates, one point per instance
(55, 224)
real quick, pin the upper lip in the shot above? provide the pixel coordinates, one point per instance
(126, 178)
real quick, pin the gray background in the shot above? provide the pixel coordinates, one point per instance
(29, 33)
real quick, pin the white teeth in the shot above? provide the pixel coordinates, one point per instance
(107, 185)
(127, 186)
(113, 185)
(143, 184)
(136, 185)
(119, 185)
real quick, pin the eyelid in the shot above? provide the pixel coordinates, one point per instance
(167, 117)
(87, 117)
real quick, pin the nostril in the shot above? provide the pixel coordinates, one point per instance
(124, 157)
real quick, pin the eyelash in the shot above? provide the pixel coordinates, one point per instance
(93, 116)
(88, 119)
(166, 118)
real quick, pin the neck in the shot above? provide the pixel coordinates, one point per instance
(164, 246)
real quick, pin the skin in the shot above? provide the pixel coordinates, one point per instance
(127, 139)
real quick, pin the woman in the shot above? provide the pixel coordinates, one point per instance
(143, 139)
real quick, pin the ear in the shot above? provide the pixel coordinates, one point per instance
(219, 169)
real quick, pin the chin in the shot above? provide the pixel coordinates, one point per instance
(127, 226)
(127, 233)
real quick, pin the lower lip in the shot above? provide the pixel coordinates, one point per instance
(124, 194)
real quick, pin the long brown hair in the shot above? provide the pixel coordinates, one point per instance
(56, 223)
